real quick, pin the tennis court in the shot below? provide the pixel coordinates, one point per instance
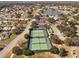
(37, 33)
(39, 40)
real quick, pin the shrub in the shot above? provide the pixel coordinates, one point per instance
(17, 31)
(26, 36)
(72, 41)
(28, 52)
(63, 52)
(17, 51)
(54, 50)
(1, 49)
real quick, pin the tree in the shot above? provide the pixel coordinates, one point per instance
(54, 50)
(28, 52)
(34, 24)
(18, 15)
(56, 40)
(26, 36)
(63, 52)
(75, 11)
(30, 15)
(61, 27)
(16, 50)
(18, 30)
(70, 31)
(1, 48)
(51, 20)
(72, 23)
(72, 41)
(76, 17)
(68, 41)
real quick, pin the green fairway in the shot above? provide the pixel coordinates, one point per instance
(39, 40)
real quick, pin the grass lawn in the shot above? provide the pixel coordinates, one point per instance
(13, 36)
(8, 40)
(1, 47)
(1, 32)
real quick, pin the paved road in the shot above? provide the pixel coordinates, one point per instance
(4, 43)
(13, 43)
(57, 32)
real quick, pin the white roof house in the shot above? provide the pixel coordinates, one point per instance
(5, 21)
(14, 27)
(6, 28)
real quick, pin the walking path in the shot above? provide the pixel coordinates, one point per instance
(57, 32)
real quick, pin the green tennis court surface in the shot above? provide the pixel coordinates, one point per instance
(37, 33)
(39, 40)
